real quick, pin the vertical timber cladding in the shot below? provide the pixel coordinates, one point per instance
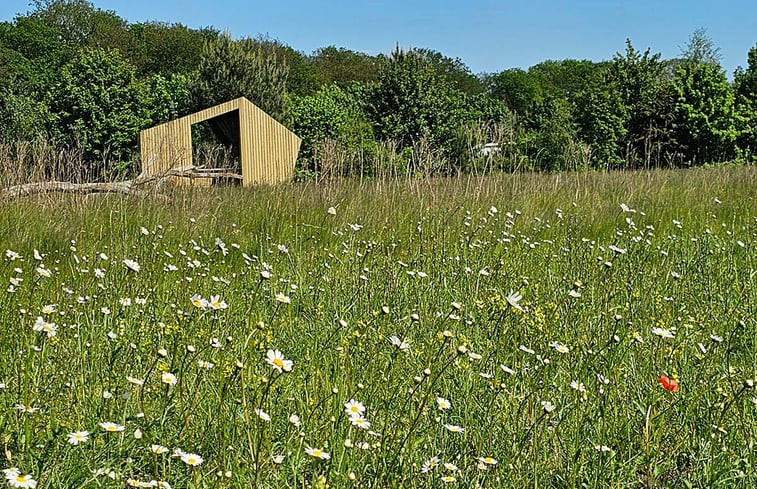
(268, 150)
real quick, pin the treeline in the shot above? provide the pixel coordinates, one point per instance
(85, 78)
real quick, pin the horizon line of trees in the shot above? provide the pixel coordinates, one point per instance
(84, 77)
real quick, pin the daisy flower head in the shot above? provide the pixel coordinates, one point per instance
(216, 303)
(284, 299)
(111, 427)
(135, 381)
(132, 265)
(50, 329)
(205, 364)
(198, 301)
(513, 300)
(21, 481)
(487, 460)
(262, 414)
(354, 408)
(663, 333)
(158, 449)
(547, 406)
(430, 465)
(168, 378)
(443, 404)
(191, 459)
(276, 359)
(454, 428)
(448, 479)
(317, 453)
(360, 422)
(78, 437)
(559, 347)
(400, 344)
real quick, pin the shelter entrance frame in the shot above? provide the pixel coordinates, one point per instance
(230, 124)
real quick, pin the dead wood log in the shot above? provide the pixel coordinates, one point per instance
(144, 184)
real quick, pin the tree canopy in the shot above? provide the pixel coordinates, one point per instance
(85, 77)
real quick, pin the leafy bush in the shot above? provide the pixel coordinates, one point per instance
(100, 106)
(412, 102)
(331, 114)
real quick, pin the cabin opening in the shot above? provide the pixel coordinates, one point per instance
(216, 148)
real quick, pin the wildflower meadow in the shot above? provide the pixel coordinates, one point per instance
(564, 330)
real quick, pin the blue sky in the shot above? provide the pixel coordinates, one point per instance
(487, 35)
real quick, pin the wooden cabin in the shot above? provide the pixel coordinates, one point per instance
(267, 150)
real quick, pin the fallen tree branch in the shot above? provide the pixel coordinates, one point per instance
(130, 187)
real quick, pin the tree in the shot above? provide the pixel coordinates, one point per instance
(553, 144)
(412, 101)
(518, 89)
(454, 70)
(41, 45)
(700, 48)
(100, 107)
(745, 88)
(601, 118)
(344, 66)
(705, 114)
(564, 78)
(230, 69)
(168, 48)
(74, 19)
(332, 113)
(647, 96)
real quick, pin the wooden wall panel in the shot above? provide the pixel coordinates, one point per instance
(268, 150)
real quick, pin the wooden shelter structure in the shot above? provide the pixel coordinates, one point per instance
(267, 150)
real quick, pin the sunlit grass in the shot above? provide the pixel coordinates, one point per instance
(253, 338)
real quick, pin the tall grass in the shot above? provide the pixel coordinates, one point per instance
(559, 388)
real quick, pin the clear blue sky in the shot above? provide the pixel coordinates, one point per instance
(487, 35)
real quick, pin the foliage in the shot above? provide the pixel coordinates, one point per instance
(168, 48)
(343, 66)
(518, 89)
(701, 49)
(553, 144)
(412, 101)
(646, 99)
(230, 69)
(330, 114)
(100, 106)
(169, 97)
(454, 70)
(636, 110)
(601, 118)
(705, 113)
(22, 117)
(745, 88)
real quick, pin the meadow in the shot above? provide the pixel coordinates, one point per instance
(548, 330)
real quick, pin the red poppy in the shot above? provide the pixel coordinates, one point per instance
(668, 384)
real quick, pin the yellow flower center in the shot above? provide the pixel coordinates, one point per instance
(278, 362)
(317, 452)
